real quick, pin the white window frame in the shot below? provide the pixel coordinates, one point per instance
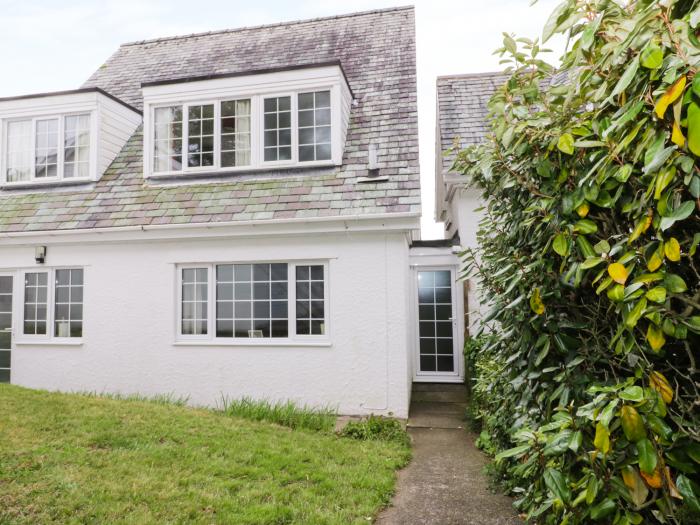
(59, 178)
(257, 132)
(292, 337)
(50, 308)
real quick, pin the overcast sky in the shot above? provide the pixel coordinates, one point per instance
(47, 45)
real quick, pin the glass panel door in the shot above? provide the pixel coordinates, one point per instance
(435, 322)
(5, 327)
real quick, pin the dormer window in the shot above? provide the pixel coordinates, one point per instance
(48, 149)
(234, 123)
(58, 138)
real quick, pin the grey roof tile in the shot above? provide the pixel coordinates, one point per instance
(462, 112)
(377, 52)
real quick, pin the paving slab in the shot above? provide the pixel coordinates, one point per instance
(445, 482)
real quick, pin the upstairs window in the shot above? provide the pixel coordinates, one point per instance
(235, 133)
(280, 130)
(19, 151)
(315, 126)
(48, 149)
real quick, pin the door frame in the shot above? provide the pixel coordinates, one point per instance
(13, 316)
(457, 330)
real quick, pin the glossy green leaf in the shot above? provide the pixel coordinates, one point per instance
(647, 456)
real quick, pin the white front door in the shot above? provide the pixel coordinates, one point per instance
(438, 351)
(5, 326)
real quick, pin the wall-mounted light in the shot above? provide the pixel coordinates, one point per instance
(373, 160)
(40, 254)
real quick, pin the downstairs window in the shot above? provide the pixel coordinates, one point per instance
(241, 301)
(53, 311)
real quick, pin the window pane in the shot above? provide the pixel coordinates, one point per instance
(255, 313)
(168, 139)
(68, 305)
(235, 133)
(314, 126)
(277, 122)
(19, 151)
(35, 310)
(46, 148)
(195, 301)
(200, 136)
(310, 305)
(76, 146)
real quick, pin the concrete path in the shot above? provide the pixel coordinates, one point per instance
(445, 483)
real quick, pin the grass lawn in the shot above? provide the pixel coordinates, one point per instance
(77, 459)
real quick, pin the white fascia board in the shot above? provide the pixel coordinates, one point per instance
(397, 222)
(243, 85)
(60, 103)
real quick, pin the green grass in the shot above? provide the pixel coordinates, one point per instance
(70, 458)
(283, 413)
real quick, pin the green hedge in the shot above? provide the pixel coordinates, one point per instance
(587, 387)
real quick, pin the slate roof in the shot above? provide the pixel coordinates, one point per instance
(377, 52)
(462, 111)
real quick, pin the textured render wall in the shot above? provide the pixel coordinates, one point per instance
(130, 326)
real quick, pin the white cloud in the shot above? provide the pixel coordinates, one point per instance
(46, 46)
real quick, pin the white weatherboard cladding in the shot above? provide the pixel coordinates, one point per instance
(111, 124)
(130, 325)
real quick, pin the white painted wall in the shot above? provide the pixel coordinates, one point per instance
(465, 221)
(129, 329)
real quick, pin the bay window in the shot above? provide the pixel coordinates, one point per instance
(48, 148)
(242, 301)
(233, 134)
(53, 310)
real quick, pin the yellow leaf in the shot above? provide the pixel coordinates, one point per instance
(655, 336)
(677, 135)
(618, 273)
(641, 227)
(658, 382)
(654, 479)
(672, 93)
(672, 249)
(656, 258)
(635, 485)
(536, 302)
(583, 209)
(602, 438)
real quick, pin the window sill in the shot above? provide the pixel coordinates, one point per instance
(256, 343)
(54, 183)
(49, 342)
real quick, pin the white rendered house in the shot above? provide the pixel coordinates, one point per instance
(229, 214)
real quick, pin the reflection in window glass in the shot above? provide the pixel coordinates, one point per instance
(19, 151)
(68, 313)
(76, 146)
(46, 149)
(35, 303)
(278, 129)
(200, 136)
(168, 139)
(251, 300)
(235, 133)
(315, 126)
(310, 300)
(195, 298)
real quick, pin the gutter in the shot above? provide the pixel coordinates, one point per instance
(219, 226)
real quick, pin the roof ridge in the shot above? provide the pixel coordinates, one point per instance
(472, 75)
(265, 26)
